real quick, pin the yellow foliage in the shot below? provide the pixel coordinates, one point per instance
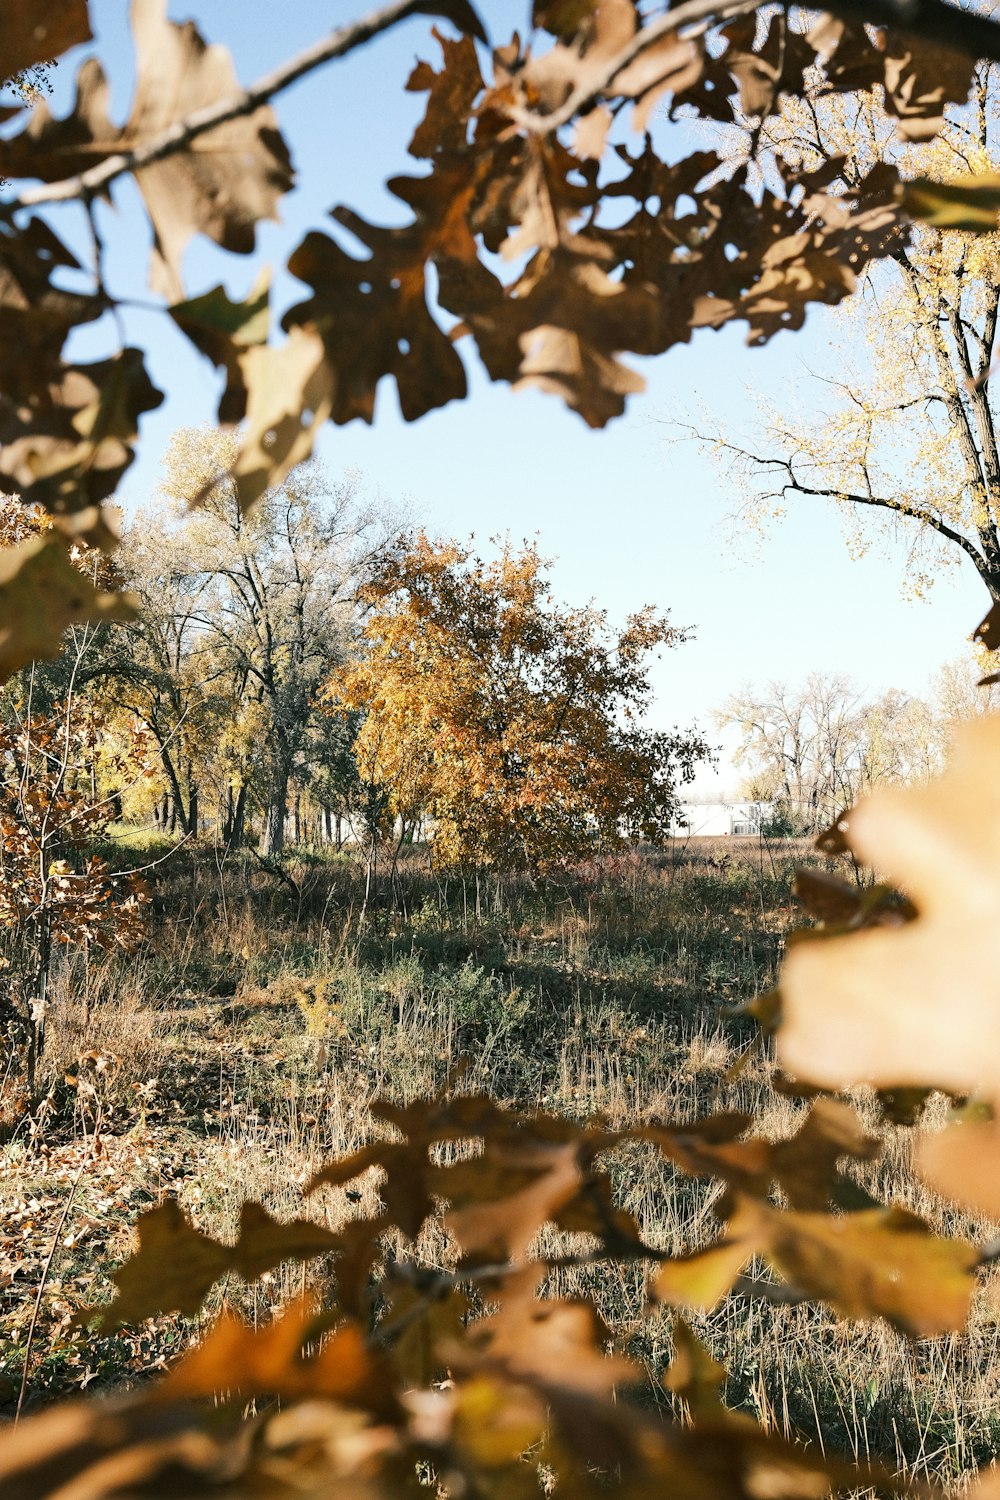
(514, 723)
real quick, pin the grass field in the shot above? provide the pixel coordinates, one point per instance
(243, 1046)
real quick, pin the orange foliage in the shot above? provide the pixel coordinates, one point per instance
(512, 722)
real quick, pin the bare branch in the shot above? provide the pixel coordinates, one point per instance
(901, 508)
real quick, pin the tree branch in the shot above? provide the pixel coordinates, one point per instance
(914, 512)
(936, 20)
(692, 17)
(178, 136)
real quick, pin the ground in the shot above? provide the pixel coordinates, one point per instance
(243, 1045)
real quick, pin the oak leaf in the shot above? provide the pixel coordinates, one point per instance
(176, 1265)
(409, 1177)
(918, 1003)
(921, 77)
(233, 176)
(236, 1359)
(697, 1377)
(229, 179)
(41, 595)
(879, 1262)
(702, 1278)
(67, 443)
(804, 1165)
(36, 317)
(290, 393)
(970, 203)
(31, 34)
(556, 1348)
(223, 329)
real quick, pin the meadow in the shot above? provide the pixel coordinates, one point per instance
(242, 1046)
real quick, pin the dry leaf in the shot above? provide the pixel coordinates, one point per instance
(881, 1262)
(919, 1003)
(176, 1264)
(230, 177)
(31, 33)
(921, 77)
(67, 443)
(235, 1359)
(223, 330)
(290, 394)
(41, 595)
(701, 1280)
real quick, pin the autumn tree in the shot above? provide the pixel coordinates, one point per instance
(513, 722)
(56, 891)
(241, 610)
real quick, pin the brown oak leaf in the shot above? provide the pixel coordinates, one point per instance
(176, 1264)
(30, 33)
(230, 178)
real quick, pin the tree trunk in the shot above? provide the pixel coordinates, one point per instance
(236, 817)
(273, 842)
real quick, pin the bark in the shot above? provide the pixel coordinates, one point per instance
(273, 841)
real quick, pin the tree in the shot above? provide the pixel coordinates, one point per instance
(248, 610)
(54, 890)
(803, 745)
(596, 263)
(512, 722)
(815, 749)
(906, 431)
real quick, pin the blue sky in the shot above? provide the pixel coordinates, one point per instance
(630, 517)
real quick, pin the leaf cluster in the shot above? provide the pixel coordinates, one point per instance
(554, 225)
(472, 1365)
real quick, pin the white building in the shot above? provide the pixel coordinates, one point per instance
(715, 819)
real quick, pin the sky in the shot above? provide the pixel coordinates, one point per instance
(630, 515)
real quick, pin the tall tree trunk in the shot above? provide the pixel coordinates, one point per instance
(273, 841)
(236, 817)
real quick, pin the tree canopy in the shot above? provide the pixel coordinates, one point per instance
(512, 722)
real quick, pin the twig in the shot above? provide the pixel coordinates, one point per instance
(691, 18)
(180, 135)
(934, 19)
(275, 868)
(41, 1287)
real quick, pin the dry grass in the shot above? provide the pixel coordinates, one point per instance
(245, 1044)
